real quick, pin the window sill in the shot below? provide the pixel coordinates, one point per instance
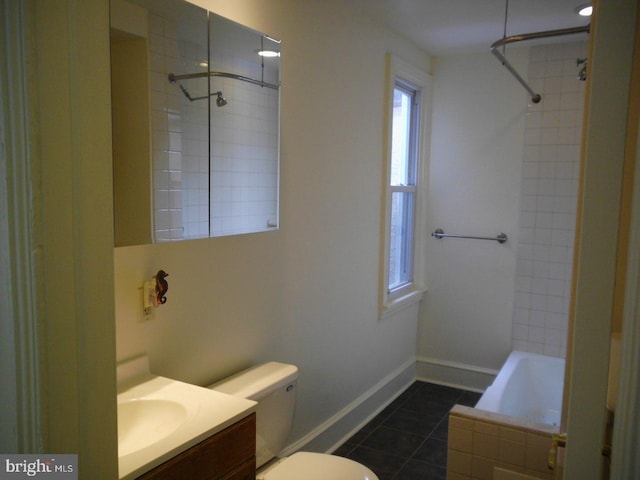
(392, 307)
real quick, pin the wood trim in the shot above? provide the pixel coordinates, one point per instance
(627, 188)
(20, 370)
(595, 271)
(72, 87)
(625, 459)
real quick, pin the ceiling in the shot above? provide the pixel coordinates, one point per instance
(445, 27)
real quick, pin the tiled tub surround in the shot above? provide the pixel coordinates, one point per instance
(504, 429)
(548, 200)
(479, 441)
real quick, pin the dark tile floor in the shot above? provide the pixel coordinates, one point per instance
(408, 439)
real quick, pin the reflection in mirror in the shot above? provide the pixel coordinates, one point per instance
(244, 147)
(196, 124)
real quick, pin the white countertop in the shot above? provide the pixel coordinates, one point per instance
(207, 413)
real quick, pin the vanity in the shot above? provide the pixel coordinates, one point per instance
(171, 430)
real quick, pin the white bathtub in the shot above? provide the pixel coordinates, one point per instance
(528, 386)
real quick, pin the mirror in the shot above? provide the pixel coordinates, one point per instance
(195, 101)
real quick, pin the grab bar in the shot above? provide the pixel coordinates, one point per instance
(439, 233)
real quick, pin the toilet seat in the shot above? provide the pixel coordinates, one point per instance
(317, 466)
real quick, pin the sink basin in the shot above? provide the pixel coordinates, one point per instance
(144, 422)
(159, 418)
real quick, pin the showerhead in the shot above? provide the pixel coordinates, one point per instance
(582, 74)
(220, 101)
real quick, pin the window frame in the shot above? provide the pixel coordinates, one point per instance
(407, 191)
(408, 77)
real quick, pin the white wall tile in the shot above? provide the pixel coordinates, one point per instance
(548, 201)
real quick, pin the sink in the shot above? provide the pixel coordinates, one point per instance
(144, 422)
(159, 418)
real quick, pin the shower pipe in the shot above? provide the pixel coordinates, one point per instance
(220, 101)
(173, 78)
(535, 97)
(439, 233)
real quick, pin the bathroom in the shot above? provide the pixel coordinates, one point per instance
(308, 293)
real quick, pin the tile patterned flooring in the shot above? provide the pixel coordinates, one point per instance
(408, 439)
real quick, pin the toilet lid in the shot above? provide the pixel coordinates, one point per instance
(318, 466)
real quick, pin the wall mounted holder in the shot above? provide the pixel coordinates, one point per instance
(161, 287)
(154, 292)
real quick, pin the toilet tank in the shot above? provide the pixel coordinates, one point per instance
(273, 386)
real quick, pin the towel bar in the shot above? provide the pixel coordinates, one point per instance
(439, 233)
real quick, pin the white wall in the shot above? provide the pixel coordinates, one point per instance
(476, 160)
(306, 294)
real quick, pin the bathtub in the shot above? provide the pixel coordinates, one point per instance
(528, 386)
(511, 427)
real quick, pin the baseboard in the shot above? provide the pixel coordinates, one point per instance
(335, 431)
(454, 374)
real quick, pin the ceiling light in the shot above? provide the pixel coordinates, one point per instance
(268, 53)
(584, 10)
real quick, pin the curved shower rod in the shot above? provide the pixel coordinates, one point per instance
(173, 78)
(535, 97)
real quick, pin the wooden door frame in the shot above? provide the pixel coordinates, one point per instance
(597, 235)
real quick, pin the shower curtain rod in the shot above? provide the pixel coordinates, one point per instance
(535, 97)
(173, 78)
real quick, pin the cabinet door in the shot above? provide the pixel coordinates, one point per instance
(215, 458)
(246, 471)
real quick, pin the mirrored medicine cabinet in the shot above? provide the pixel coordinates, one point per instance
(195, 105)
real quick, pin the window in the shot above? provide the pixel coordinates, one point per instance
(402, 186)
(403, 279)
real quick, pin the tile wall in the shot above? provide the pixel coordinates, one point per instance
(480, 442)
(549, 200)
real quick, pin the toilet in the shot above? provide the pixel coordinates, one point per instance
(273, 386)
